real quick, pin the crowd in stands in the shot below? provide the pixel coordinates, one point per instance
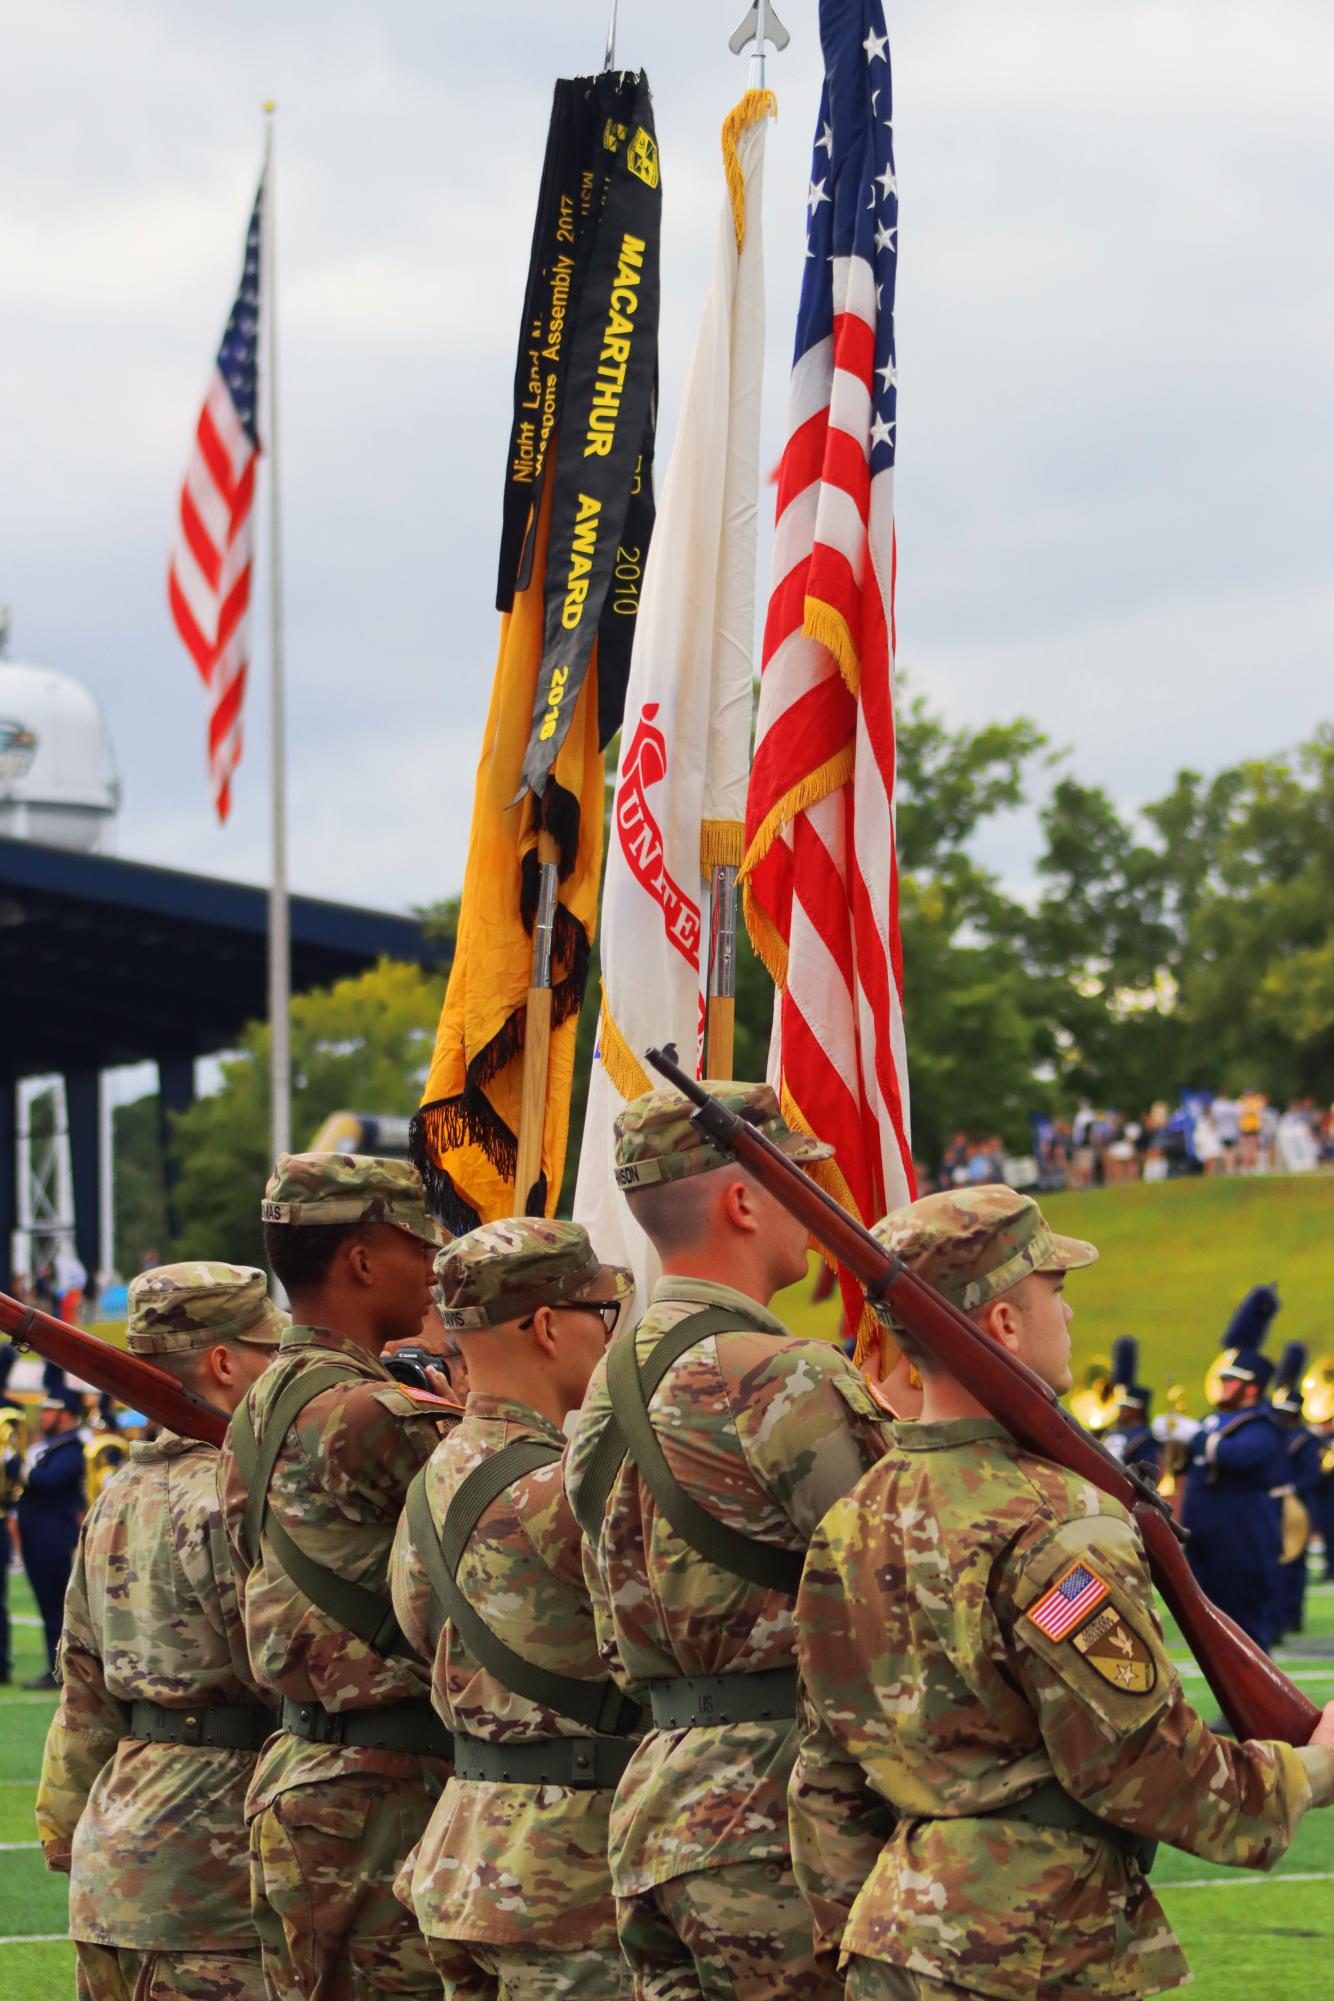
(1206, 1133)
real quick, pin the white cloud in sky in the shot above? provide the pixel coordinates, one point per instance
(1116, 412)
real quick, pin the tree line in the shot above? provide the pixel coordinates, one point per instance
(1189, 943)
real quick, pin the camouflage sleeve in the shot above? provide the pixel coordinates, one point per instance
(1117, 1726)
(85, 1730)
(411, 1592)
(837, 1824)
(807, 1423)
(372, 1441)
(217, 1590)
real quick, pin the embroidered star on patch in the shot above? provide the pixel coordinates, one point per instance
(1115, 1650)
(1070, 1599)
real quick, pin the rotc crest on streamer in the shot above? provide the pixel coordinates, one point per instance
(1115, 1650)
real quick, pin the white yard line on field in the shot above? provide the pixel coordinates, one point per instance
(12, 1847)
(1236, 1877)
(35, 1938)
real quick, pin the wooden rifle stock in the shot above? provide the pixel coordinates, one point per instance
(128, 1378)
(1255, 1696)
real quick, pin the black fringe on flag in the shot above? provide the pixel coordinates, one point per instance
(471, 1118)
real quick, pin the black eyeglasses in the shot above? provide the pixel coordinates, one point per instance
(607, 1310)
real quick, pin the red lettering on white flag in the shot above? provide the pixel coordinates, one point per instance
(641, 837)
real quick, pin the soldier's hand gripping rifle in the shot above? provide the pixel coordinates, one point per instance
(1257, 1699)
(128, 1378)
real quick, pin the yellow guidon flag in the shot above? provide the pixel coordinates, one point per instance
(577, 520)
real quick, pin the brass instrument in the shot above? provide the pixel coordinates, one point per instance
(104, 1452)
(1296, 1526)
(1176, 1447)
(1097, 1400)
(13, 1445)
(1318, 1391)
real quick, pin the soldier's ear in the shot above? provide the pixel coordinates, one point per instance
(544, 1330)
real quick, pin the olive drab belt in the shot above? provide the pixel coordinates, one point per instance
(704, 1701)
(589, 1764)
(220, 1726)
(398, 1726)
(1052, 1806)
(369, 1614)
(597, 1704)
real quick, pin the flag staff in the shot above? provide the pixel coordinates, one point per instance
(280, 951)
(760, 25)
(537, 1013)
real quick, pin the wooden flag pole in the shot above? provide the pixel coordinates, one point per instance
(537, 1033)
(720, 1036)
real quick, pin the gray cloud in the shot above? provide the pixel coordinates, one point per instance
(1115, 394)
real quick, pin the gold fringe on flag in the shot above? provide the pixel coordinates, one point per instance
(618, 1059)
(722, 844)
(749, 110)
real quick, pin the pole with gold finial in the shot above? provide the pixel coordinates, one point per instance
(280, 950)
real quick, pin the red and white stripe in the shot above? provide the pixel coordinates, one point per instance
(821, 876)
(209, 576)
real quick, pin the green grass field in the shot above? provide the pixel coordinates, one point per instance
(1177, 1257)
(1248, 1938)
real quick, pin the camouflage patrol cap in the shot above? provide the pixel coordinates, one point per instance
(972, 1244)
(176, 1308)
(317, 1188)
(506, 1270)
(658, 1140)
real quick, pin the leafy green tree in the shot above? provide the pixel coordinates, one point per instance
(139, 1194)
(363, 1044)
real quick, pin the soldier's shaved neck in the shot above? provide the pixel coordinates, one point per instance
(544, 1360)
(721, 1226)
(221, 1373)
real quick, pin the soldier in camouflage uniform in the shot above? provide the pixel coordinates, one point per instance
(994, 1734)
(511, 1884)
(314, 1475)
(149, 1754)
(693, 1548)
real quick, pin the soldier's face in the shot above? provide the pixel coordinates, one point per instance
(1043, 1330)
(402, 1282)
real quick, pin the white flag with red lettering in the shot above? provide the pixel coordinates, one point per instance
(681, 776)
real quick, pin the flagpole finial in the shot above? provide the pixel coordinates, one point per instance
(609, 60)
(761, 25)
(269, 106)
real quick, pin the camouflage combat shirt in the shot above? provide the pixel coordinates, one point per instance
(767, 1432)
(509, 1864)
(155, 1833)
(338, 1488)
(972, 1621)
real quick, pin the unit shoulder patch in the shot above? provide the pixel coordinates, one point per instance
(1113, 1649)
(1071, 1598)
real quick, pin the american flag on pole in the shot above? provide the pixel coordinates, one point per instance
(208, 582)
(820, 879)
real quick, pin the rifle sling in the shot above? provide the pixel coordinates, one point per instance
(368, 1614)
(597, 1705)
(629, 1429)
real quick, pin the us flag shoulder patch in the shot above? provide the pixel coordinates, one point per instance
(1070, 1599)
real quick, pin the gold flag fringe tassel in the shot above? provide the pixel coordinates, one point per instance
(829, 629)
(756, 104)
(770, 946)
(722, 844)
(619, 1061)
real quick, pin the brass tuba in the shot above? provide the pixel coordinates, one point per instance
(1318, 1391)
(1096, 1401)
(13, 1445)
(1176, 1446)
(104, 1452)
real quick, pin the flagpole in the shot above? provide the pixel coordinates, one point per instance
(280, 951)
(537, 1031)
(719, 1045)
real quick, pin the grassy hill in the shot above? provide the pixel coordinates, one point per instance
(1177, 1256)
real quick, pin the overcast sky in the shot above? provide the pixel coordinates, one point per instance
(1115, 411)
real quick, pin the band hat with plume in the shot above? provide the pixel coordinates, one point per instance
(972, 1244)
(313, 1189)
(174, 1309)
(1287, 1393)
(1244, 1339)
(1125, 1368)
(503, 1271)
(657, 1138)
